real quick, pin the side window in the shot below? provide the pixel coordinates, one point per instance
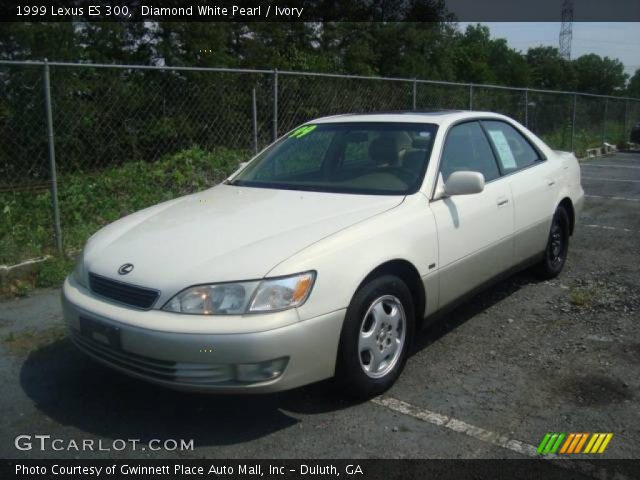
(467, 148)
(513, 150)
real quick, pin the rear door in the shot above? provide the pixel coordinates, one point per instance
(534, 185)
(474, 231)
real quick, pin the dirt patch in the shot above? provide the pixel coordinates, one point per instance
(21, 343)
(16, 288)
(595, 390)
(588, 295)
(631, 351)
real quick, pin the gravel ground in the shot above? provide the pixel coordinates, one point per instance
(521, 359)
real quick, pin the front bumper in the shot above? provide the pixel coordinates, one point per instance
(203, 361)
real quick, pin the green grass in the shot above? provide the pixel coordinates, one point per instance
(585, 139)
(89, 201)
(581, 297)
(23, 342)
(53, 272)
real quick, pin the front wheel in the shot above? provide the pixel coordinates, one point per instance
(375, 338)
(555, 254)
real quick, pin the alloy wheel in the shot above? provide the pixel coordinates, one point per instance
(556, 244)
(382, 336)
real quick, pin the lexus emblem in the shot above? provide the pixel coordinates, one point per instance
(125, 269)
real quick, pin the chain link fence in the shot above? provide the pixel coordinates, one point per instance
(124, 137)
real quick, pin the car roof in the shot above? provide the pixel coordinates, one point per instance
(437, 117)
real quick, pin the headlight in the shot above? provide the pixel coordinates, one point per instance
(243, 297)
(281, 293)
(221, 299)
(78, 271)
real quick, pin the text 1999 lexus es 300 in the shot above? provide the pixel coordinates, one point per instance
(324, 254)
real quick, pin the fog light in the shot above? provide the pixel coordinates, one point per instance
(260, 372)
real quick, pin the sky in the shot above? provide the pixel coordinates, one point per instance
(619, 40)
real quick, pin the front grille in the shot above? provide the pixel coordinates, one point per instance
(126, 293)
(153, 368)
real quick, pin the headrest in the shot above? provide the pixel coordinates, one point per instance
(414, 159)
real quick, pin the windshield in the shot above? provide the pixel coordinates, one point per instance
(367, 158)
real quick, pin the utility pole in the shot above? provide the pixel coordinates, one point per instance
(566, 29)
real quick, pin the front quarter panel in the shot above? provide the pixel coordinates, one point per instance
(343, 260)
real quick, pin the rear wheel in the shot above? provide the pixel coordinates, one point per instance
(375, 338)
(555, 254)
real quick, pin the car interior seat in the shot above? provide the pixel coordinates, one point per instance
(383, 151)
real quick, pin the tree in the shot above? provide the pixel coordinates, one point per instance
(407, 49)
(36, 41)
(633, 89)
(195, 44)
(548, 69)
(472, 52)
(509, 67)
(480, 59)
(350, 47)
(595, 74)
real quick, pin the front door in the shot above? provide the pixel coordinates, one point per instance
(475, 232)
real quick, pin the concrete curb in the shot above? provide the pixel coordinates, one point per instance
(605, 149)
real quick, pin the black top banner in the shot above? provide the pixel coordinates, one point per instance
(317, 10)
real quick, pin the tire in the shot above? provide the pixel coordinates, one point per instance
(555, 254)
(376, 335)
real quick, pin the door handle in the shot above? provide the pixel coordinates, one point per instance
(551, 183)
(502, 201)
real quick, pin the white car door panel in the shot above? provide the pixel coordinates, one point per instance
(534, 185)
(474, 237)
(534, 197)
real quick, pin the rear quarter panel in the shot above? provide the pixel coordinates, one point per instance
(571, 180)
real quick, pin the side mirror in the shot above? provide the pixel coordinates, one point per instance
(464, 183)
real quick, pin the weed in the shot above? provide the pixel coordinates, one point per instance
(21, 343)
(581, 297)
(53, 272)
(90, 200)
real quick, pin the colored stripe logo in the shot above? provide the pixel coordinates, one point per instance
(574, 443)
(302, 131)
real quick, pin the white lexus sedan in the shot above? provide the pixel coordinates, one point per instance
(323, 255)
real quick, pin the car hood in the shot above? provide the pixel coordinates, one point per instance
(225, 233)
